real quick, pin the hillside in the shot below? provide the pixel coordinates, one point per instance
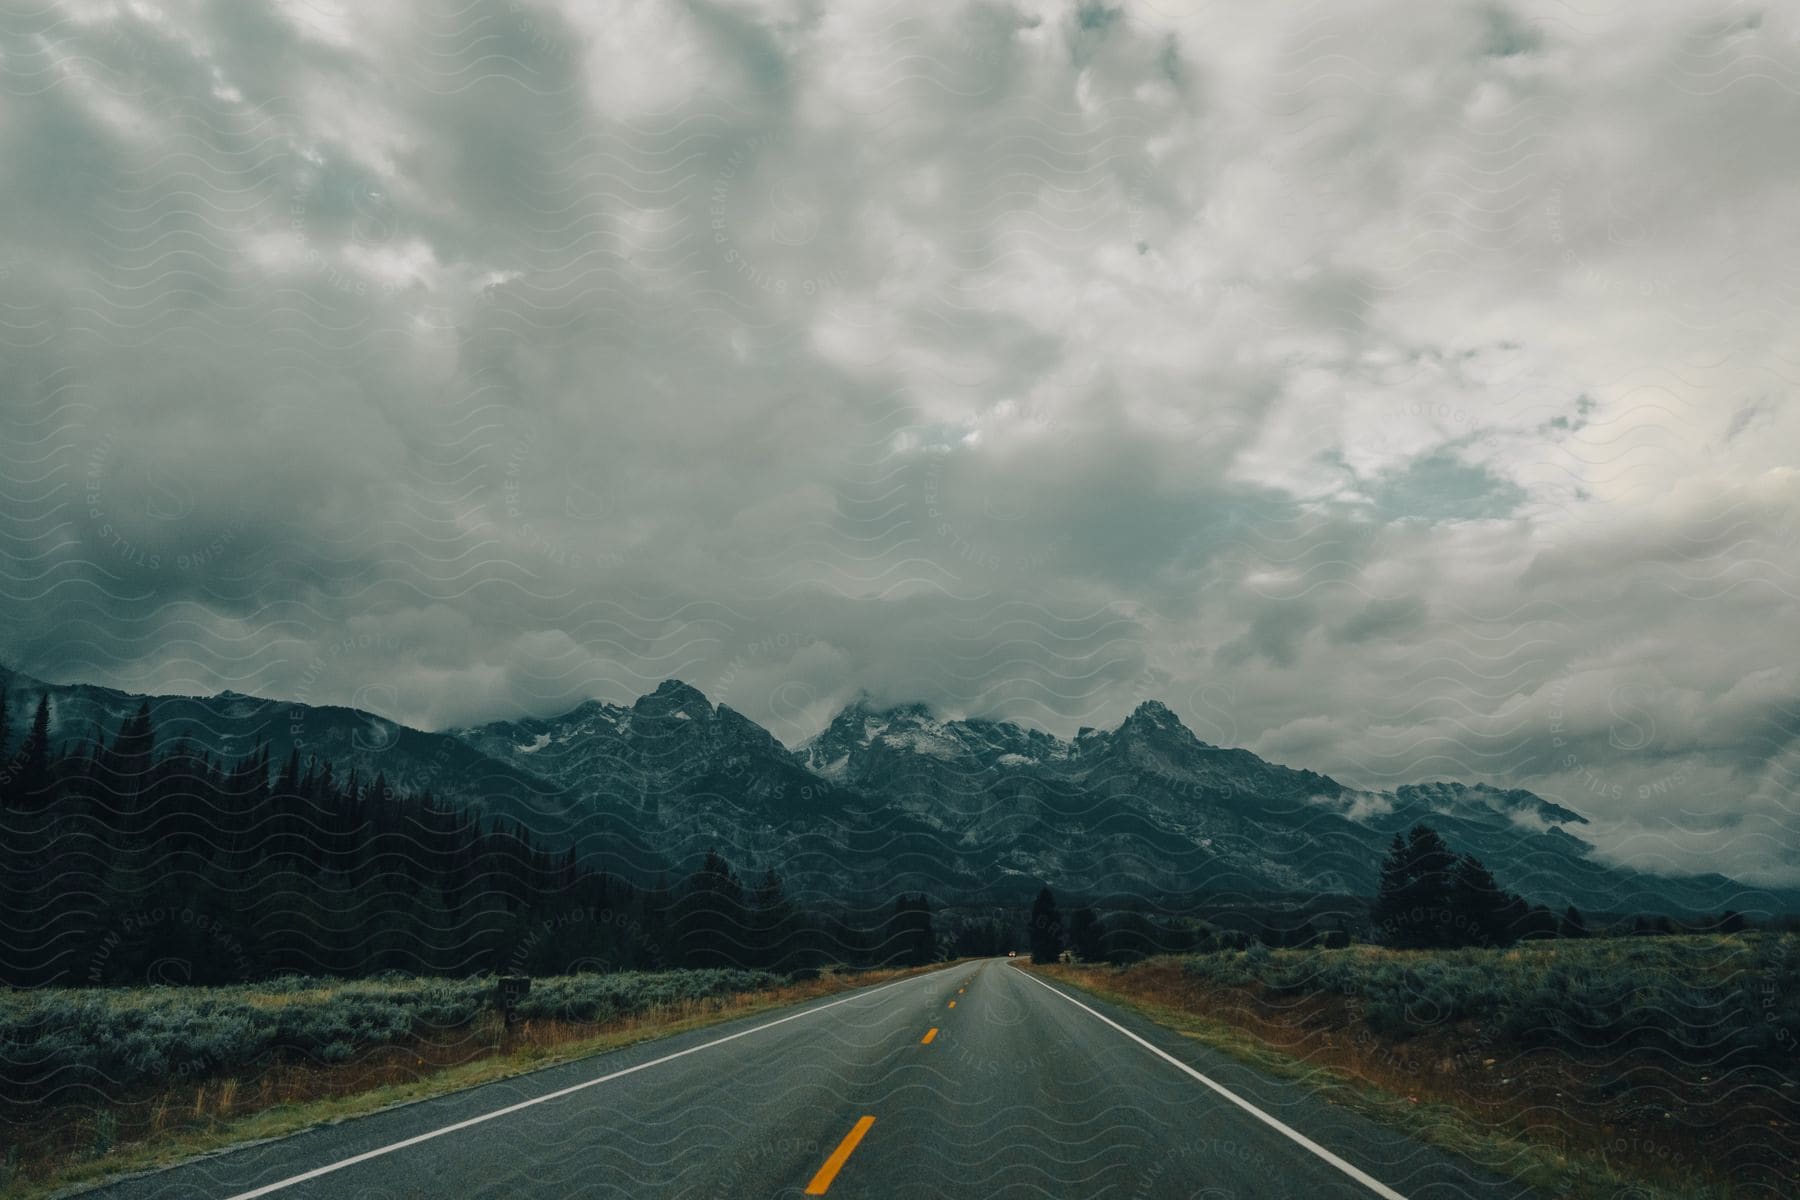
(889, 799)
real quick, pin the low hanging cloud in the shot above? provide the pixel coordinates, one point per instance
(1399, 393)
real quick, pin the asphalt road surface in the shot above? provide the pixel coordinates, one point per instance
(1025, 1089)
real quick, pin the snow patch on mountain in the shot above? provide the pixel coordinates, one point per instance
(930, 738)
(969, 802)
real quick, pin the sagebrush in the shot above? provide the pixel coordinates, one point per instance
(109, 1039)
(1715, 1000)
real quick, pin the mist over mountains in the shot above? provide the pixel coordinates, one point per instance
(885, 799)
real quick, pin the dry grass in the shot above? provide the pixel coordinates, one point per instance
(1567, 1124)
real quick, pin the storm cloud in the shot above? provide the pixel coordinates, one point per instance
(1401, 392)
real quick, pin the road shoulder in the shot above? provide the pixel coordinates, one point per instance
(1408, 1147)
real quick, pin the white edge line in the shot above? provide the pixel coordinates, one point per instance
(366, 1155)
(1356, 1173)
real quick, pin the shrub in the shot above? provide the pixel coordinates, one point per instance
(106, 1132)
(1714, 1000)
(106, 1039)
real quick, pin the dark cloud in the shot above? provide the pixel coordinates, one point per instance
(1382, 619)
(1390, 393)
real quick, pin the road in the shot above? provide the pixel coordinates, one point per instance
(1026, 1089)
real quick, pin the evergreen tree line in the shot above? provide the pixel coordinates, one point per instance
(981, 937)
(122, 862)
(1431, 897)
(1085, 935)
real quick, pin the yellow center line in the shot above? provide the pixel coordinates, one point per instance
(953, 1004)
(822, 1181)
(929, 1034)
(960, 991)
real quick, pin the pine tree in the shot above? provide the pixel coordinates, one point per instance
(133, 754)
(709, 923)
(1479, 909)
(1413, 901)
(1085, 934)
(771, 921)
(289, 779)
(1537, 922)
(31, 785)
(6, 763)
(912, 940)
(1390, 886)
(1573, 925)
(1046, 930)
(1128, 937)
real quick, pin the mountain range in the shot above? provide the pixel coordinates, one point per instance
(889, 799)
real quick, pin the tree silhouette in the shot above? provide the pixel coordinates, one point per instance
(31, 783)
(1046, 930)
(772, 922)
(1429, 896)
(1085, 935)
(1412, 901)
(1128, 937)
(259, 866)
(979, 939)
(710, 925)
(913, 941)
(1480, 912)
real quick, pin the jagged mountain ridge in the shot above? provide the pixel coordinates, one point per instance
(699, 776)
(890, 799)
(1146, 807)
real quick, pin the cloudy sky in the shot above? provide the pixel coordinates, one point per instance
(1401, 391)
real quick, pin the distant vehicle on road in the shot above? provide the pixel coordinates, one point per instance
(1012, 954)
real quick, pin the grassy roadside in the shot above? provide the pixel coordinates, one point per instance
(1623, 1124)
(66, 1148)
